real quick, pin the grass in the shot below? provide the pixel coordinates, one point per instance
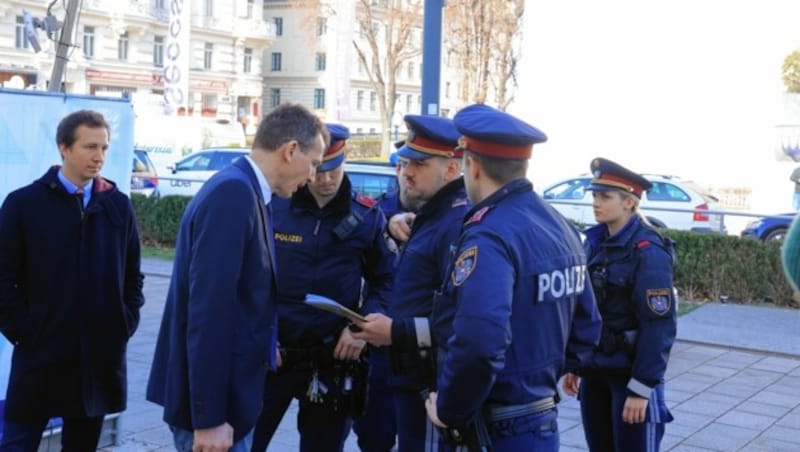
(685, 306)
(158, 252)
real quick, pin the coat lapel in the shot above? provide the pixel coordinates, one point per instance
(266, 218)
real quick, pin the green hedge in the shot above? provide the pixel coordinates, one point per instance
(159, 218)
(708, 265)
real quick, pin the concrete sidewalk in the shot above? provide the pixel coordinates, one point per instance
(733, 382)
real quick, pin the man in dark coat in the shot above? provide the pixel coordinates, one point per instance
(218, 335)
(70, 292)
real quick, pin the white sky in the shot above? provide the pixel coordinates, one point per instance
(685, 87)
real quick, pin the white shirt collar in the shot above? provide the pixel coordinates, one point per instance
(266, 191)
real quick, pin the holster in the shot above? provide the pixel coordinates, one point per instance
(352, 379)
(474, 437)
(611, 342)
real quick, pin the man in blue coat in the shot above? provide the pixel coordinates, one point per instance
(328, 240)
(218, 333)
(515, 311)
(70, 292)
(432, 188)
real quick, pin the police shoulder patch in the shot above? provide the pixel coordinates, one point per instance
(365, 200)
(659, 300)
(458, 202)
(464, 265)
(477, 217)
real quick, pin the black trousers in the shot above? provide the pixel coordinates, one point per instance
(77, 435)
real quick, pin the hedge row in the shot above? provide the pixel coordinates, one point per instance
(708, 266)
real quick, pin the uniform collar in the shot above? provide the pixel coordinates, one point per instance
(442, 197)
(598, 234)
(303, 199)
(515, 186)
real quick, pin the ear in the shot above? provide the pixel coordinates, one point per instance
(453, 169)
(287, 150)
(473, 166)
(62, 149)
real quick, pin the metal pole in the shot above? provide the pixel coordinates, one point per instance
(431, 56)
(64, 44)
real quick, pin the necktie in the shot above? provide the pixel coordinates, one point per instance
(79, 195)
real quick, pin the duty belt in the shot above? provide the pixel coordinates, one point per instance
(502, 412)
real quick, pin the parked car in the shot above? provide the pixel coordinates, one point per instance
(190, 173)
(144, 179)
(572, 200)
(769, 229)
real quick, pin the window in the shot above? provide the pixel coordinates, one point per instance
(88, 41)
(209, 101)
(662, 191)
(373, 101)
(411, 70)
(370, 184)
(158, 51)
(159, 4)
(208, 53)
(276, 61)
(447, 90)
(222, 160)
(249, 12)
(208, 8)
(319, 61)
(278, 26)
(122, 47)
(274, 97)
(322, 26)
(571, 189)
(196, 162)
(360, 100)
(361, 69)
(19, 34)
(248, 60)
(409, 99)
(319, 98)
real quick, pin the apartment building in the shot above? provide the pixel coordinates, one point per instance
(120, 47)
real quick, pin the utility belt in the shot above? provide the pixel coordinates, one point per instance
(612, 342)
(475, 436)
(343, 385)
(420, 363)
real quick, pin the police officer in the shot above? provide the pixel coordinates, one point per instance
(630, 264)
(515, 310)
(431, 187)
(327, 238)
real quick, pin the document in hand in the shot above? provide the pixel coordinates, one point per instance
(326, 304)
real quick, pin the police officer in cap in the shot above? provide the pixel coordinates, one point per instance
(431, 186)
(327, 238)
(630, 264)
(515, 310)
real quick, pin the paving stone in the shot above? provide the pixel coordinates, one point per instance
(771, 396)
(755, 377)
(691, 382)
(767, 409)
(786, 434)
(791, 420)
(776, 364)
(674, 396)
(736, 359)
(764, 444)
(721, 437)
(746, 420)
(715, 371)
(738, 390)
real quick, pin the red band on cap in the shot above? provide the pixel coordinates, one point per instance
(636, 189)
(335, 149)
(502, 151)
(422, 144)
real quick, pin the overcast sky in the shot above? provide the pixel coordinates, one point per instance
(686, 87)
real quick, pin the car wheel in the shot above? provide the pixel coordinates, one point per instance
(657, 223)
(775, 235)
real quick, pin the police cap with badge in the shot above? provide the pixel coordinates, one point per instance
(493, 133)
(334, 155)
(429, 136)
(613, 176)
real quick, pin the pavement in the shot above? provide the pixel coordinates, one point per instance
(733, 382)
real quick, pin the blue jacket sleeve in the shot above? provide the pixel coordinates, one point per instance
(378, 264)
(585, 330)
(222, 228)
(481, 328)
(655, 308)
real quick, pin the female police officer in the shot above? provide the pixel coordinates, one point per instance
(630, 265)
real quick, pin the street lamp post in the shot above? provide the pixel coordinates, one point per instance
(431, 56)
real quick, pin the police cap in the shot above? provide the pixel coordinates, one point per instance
(494, 133)
(334, 155)
(613, 176)
(429, 136)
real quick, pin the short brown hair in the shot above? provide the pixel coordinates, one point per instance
(65, 133)
(289, 122)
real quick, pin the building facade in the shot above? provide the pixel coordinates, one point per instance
(119, 47)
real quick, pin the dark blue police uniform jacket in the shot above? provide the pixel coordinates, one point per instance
(390, 204)
(217, 337)
(422, 264)
(638, 296)
(311, 258)
(514, 303)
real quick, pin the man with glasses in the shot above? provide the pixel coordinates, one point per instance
(432, 189)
